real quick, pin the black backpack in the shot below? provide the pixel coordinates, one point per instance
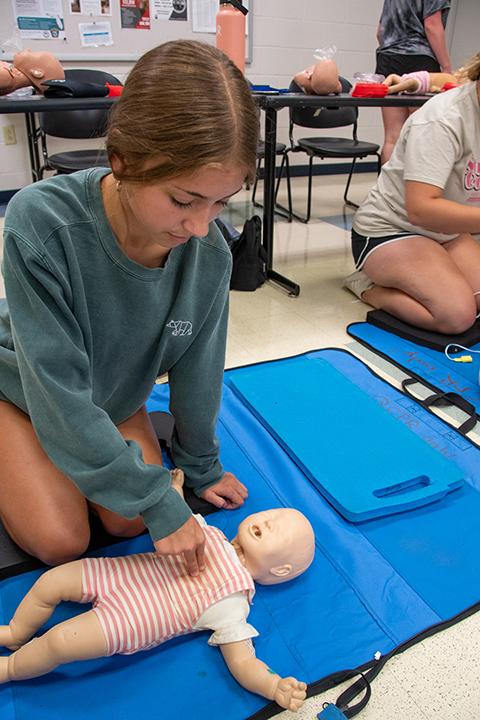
(249, 256)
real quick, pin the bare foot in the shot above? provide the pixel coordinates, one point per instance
(178, 478)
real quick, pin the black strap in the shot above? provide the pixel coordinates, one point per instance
(445, 399)
(360, 685)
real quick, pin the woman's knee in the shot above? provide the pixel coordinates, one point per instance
(61, 545)
(457, 318)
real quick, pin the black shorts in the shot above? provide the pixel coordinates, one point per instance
(388, 63)
(362, 246)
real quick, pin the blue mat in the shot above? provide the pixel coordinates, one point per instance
(425, 563)
(360, 485)
(422, 362)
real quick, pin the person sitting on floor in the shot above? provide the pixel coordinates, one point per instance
(413, 237)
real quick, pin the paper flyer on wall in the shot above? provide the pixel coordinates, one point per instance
(39, 19)
(95, 34)
(90, 7)
(135, 14)
(170, 10)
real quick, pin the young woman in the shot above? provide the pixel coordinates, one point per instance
(411, 37)
(413, 237)
(114, 277)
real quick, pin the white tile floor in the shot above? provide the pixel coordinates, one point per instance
(438, 678)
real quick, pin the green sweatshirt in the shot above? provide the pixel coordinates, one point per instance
(84, 333)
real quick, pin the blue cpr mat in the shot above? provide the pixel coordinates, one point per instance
(424, 560)
(422, 362)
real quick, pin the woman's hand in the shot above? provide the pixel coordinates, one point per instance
(189, 541)
(228, 493)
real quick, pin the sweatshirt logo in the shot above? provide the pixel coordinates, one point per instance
(180, 327)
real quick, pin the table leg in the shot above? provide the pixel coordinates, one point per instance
(269, 202)
(32, 141)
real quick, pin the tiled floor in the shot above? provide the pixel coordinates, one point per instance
(438, 678)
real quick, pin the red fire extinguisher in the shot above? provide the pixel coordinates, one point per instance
(231, 30)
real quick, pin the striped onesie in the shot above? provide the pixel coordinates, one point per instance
(143, 600)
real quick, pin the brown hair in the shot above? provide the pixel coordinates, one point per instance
(186, 103)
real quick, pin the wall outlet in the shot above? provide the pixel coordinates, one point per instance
(9, 135)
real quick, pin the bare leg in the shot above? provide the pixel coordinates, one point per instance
(393, 119)
(41, 509)
(60, 584)
(426, 284)
(80, 638)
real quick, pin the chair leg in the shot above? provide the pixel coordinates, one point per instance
(279, 209)
(289, 188)
(254, 191)
(284, 165)
(345, 198)
(309, 198)
(379, 163)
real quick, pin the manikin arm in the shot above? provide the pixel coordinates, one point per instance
(255, 676)
(397, 84)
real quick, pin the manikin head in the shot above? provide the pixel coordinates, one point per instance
(29, 68)
(275, 545)
(320, 79)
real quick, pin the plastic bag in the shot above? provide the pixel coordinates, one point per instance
(325, 53)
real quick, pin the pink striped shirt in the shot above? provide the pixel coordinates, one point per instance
(143, 600)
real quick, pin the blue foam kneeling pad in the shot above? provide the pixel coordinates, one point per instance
(354, 462)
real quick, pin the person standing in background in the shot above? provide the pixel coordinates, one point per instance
(411, 37)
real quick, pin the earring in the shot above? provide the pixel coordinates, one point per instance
(119, 185)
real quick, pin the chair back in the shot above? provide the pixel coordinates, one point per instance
(323, 117)
(79, 123)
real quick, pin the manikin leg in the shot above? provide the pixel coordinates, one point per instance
(79, 638)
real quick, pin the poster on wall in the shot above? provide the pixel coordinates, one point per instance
(170, 10)
(135, 14)
(95, 34)
(39, 19)
(90, 7)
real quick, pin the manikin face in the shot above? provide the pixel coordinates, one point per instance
(275, 545)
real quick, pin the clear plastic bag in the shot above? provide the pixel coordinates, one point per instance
(368, 77)
(325, 53)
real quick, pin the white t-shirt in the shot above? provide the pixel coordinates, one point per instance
(439, 145)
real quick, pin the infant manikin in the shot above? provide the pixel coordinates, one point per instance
(320, 79)
(29, 68)
(270, 547)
